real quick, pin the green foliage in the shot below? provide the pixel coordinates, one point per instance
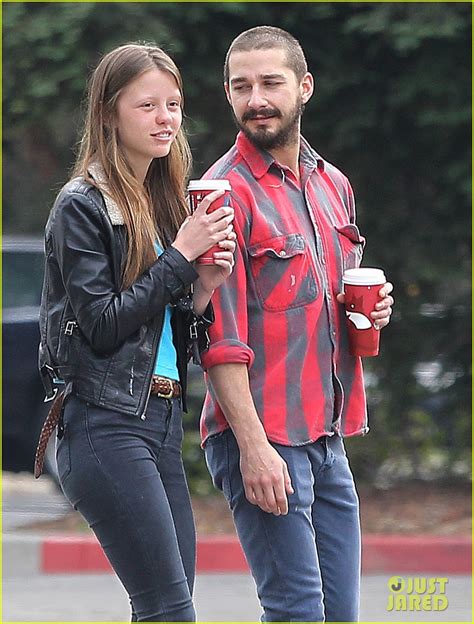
(392, 109)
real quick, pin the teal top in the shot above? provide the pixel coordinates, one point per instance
(166, 358)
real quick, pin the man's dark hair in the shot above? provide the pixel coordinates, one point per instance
(267, 38)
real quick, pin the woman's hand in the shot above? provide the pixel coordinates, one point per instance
(201, 231)
(211, 276)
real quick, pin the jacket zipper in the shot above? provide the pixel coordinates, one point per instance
(143, 414)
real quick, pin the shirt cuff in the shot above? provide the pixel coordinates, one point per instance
(226, 352)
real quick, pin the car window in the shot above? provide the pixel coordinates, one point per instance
(22, 278)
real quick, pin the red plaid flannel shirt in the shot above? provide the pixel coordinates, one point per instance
(278, 312)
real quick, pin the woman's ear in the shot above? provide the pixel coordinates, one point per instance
(109, 121)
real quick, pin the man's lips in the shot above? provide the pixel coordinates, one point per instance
(259, 116)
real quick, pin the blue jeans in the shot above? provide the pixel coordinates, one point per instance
(125, 476)
(306, 564)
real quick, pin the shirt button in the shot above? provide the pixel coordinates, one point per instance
(328, 296)
(282, 253)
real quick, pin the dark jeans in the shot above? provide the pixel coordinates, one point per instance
(306, 565)
(125, 476)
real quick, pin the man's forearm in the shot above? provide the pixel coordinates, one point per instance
(231, 386)
(265, 475)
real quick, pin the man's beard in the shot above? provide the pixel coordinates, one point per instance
(267, 140)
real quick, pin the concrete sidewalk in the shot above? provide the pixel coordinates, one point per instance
(218, 598)
(51, 577)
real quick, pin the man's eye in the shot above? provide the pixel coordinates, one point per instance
(147, 105)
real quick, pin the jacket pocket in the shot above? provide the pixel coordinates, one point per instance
(351, 245)
(283, 273)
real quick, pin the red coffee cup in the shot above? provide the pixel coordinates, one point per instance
(361, 293)
(198, 189)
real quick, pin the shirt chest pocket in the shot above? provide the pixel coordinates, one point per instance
(283, 273)
(351, 245)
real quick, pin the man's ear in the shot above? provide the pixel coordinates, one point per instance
(307, 87)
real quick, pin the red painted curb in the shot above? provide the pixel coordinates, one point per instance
(380, 553)
(400, 553)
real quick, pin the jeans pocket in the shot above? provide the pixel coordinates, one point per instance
(63, 456)
(217, 460)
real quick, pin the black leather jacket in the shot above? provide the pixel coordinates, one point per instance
(101, 340)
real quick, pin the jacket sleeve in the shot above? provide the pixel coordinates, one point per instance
(229, 332)
(81, 242)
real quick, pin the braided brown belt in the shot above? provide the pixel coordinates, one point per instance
(165, 388)
(160, 386)
(49, 425)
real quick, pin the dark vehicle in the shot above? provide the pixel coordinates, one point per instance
(23, 406)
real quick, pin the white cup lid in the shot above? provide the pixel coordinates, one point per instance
(363, 276)
(209, 185)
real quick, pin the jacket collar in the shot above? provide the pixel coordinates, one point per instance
(96, 172)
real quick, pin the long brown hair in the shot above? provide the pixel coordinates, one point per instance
(157, 208)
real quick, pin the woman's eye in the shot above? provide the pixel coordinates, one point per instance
(147, 105)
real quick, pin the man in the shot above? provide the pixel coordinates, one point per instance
(282, 387)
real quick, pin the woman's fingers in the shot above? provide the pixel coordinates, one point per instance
(225, 256)
(207, 201)
(228, 243)
(221, 213)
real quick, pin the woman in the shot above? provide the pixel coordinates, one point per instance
(121, 299)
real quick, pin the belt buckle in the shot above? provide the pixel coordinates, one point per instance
(167, 395)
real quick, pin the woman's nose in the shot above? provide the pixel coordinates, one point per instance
(163, 115)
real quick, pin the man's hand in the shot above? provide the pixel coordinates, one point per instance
(383, 309)
(266, 478)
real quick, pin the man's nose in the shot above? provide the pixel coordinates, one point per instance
(257, 99)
